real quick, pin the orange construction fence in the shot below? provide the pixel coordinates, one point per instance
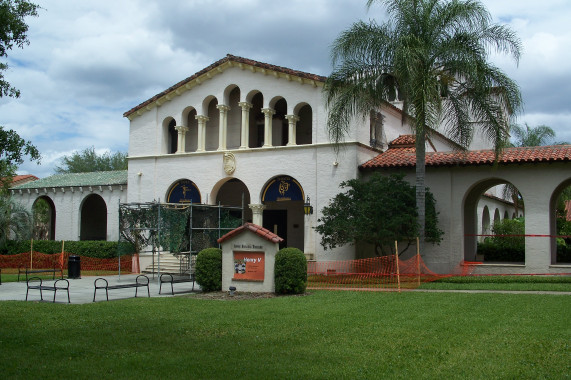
(385, 272)
(60, 261)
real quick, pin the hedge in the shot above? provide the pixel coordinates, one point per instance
(290, 271)
(98, 249)
(208, 272)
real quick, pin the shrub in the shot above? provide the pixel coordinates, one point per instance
(209, 269)
(98, 249)
(290, 271)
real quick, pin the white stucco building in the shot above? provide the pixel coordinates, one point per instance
(242, 132)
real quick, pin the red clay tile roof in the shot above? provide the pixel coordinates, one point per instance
(260, 231)
(568, 210)
(25, 178)
(403, 141)
(233, 58)
(400, 157)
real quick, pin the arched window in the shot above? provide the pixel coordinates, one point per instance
(93, 218)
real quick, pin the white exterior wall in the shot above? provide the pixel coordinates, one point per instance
(68, 202)
(456, 190)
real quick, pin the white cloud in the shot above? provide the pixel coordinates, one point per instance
(89, 61)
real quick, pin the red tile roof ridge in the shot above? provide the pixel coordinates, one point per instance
(228, 58)
(258, 230)
(405, 157)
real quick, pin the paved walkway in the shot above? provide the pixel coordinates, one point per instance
(81, 290)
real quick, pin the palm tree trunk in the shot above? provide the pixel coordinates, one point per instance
(420, 186)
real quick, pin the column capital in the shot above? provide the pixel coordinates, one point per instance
(292, 118)
(223, 107)
(257, 213)
(181, 128)
(201, 118)
(245, 105)
(268, 111)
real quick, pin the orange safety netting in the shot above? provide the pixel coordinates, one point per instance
(385, 272)
(38, 260)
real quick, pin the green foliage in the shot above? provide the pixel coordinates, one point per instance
(533, 136)
(209, 269)
(502, 247)
(15, 221)
(13, 32)
(98, 249)
(435, 54)
(13, 149)
(378, 210)
(290, 271)
(89, 161)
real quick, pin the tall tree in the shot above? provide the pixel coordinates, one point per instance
(89, 161)
(13, 150)
(434, 53)
(13, 32)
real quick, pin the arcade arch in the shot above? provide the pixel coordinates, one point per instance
(44, 214)
(559, 225)
(233, 192)
(477, 214)
(93, 218)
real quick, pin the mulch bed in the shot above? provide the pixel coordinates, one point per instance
(239, 296)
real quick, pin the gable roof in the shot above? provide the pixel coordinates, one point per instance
(117, 177)
(258, 230)
(216, 68)
(401, 155)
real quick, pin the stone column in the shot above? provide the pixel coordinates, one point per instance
(181, 142)
(257, 213)
(245, 135)
(223, 126)
(201, 132)
(268, 113)
(292, 120)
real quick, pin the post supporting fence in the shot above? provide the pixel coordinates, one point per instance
(31, 253)
(418, 259)
(397, 258)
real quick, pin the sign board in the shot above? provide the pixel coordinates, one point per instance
(249, 266)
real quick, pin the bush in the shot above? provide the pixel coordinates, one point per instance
(290, 271)
(98, 249)
(209, 269)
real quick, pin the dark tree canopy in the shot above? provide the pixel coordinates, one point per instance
(13, 149)
(378, 210)
(13, 32)
(89, 161)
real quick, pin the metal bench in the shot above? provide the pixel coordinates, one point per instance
(37, 283)
(29, 271)
(169, 278)
(140, 281)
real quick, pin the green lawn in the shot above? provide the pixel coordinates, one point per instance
(517, 283)
(325, 335)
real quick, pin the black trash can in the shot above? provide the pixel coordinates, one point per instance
(74, 267)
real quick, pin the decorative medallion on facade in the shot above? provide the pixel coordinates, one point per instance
(229, 162)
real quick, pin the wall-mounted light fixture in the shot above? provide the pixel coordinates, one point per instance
(307, 207)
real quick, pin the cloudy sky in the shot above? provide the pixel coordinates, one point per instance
(89, 61)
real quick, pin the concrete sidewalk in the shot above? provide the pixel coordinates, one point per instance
(81, 290)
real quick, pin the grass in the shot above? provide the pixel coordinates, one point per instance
(327, 334)
(515, 283)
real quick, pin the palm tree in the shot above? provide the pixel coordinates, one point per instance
(434, 53)
(15, 220)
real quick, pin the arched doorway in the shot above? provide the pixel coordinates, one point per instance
(44, 214)
(93, 218)
(283, 197)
